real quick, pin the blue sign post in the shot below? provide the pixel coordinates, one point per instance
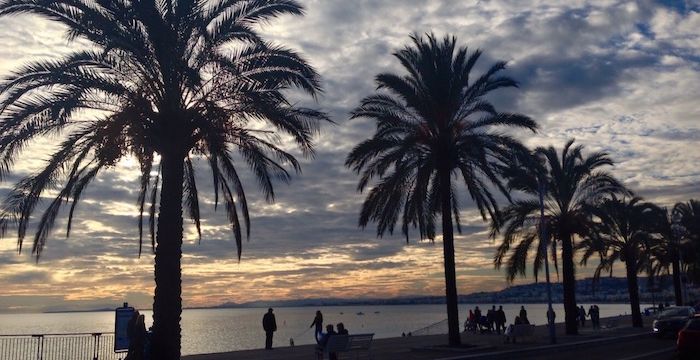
(122, 315)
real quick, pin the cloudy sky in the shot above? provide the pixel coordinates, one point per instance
(619, 76)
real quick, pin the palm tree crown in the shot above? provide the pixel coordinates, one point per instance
(166, 83)
(572, 183)
(432, 124)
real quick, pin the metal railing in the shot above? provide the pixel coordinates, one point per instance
(439, 327)
(75, 346)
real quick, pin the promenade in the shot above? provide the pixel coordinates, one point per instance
(478, 345)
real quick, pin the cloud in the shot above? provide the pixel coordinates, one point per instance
(621, 77)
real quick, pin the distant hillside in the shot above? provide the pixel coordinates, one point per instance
(606, 290)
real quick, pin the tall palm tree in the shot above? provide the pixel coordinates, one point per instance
(572, 183)
(164, 82)
(623, 230)
(665, 251)
(687, 217)
(434, 124)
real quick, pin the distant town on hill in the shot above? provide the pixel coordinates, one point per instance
(605, 290)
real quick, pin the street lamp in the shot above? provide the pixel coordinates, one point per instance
(544, 242)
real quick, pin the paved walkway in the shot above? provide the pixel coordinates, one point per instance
(433, 347)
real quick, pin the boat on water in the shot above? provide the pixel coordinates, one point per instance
(360, 313)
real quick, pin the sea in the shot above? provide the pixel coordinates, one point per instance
(222, 330)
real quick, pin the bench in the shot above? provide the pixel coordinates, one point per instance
(348, 344)
(520, 331)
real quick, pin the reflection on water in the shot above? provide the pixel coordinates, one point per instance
(219, 330)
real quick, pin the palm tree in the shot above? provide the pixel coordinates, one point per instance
(433, 124)
(572, 183)
(623, 231)
(686, 216)
(166, 83)
(665, 251)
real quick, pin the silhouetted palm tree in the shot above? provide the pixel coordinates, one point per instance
(572, 183)
(664, 254)
(687, 217)
(434, 124)
(164, 82)
(622, 232)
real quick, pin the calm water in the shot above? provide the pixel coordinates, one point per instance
(219, 330)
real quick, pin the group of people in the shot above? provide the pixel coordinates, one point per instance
(270, 326)
(493, 321)
(322, 338)
(593, 313)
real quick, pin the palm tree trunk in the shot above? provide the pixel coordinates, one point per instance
(633, 288)
(569, 274)
(449, 258)
(167, 302)
(677, 278)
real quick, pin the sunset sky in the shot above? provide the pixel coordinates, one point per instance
(618, 76)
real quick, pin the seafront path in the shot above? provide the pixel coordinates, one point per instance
(620, 342)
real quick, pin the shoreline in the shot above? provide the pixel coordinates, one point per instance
(312, 306)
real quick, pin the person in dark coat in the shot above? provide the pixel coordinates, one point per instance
(500, 320)
(582, 316)
(318, 322)
(477, 316)
(270, 326)
(491, 318)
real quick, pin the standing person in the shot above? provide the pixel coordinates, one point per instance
(591, 314)
(661, 307)
(596, 312)
(551, 316)
(582, 316)
(491, 317)
(471, 321)
(270, 326)
(500, 320)
(318, 322)
(523, 315)
(477, 316)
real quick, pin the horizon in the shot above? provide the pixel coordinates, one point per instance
(627, 84)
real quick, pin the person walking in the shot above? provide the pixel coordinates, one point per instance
(477, 316)
(491, 317)
(596, 319)
(582, 316)
(318, 323)
(270, 326)
(500, 320)
(551, 316)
